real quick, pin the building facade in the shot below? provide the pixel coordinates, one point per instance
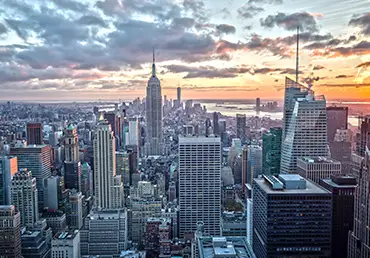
(291, 218)
(108, 189)
(342, 189)
(317, 168)
(10, 232)
(34, 134)
(305, 128)
(200, 184)
(241, 123)
(24, 197)
(8, 167)
(271, 151)
(154, 114)
(66, 244)
(37, 159)
(337, 118)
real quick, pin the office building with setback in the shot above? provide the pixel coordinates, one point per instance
(291, 218)
(271, 151)
(10, 232)
(200, 184)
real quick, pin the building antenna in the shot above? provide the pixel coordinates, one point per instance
(297, 58)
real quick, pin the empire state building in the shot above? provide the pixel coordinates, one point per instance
(154, 114)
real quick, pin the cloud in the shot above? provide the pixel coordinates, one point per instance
(3, 29)
(361, 48)
(363, 22)
(304, 20)
(206, 71)
(249, 11)
(318, 67)
(92, 20)
(342, 76)
(225, 29)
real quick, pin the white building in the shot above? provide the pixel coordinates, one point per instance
(153, 114)
(24, 197)
(132, 138)
(75, 220)
(108, 186)
(305, 126)
(254, 163)
(66, 245)
(317, 168)
(104, 233)
(200, 184)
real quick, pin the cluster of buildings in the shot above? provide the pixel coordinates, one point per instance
(163, 178)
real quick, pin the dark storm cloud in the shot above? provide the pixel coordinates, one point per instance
(3, 29)
(318, 67)
(249, 11)
(225, 29)
(304, 20)
(363, 22)
(92, 20)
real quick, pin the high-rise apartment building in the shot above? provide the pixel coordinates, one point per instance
(154, 113)
(37, 159)
(8, 167)
(66, 244)
(337, 118)
(34, 134)
(24, 197)
(342, 189)
(271, 151)
(291, 218)
(10, 232)
(108, 189)
(200, 184)
(305, 126)
(104, 233)
(317, 168)
(241, 123)
(358, 240)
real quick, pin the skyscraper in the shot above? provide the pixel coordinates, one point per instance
(241, 123)
(254, 163)
(72, 165)
(108, 186)
(75, 210)
(37, 159)
(258, 104)
(216, 125)
(8, 167)
(271, 151)
(66, 244)
(10, 232)
(337, 119)
(363, 137)
(179, 95)
(358, 240)
(342, 189)
(200, 184)
(305, 126)
(291, 218)
(34, 133)
(154, 113)
(24, 197)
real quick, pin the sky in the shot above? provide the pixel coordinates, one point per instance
(213, 49)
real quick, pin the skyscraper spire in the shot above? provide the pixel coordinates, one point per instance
(153, 65)
(297, 61)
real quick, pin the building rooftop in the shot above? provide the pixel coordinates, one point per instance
(199, 139)
(65, 235)
(106, 214)
(223, 247)
(341, 181)
(289, 182)
(318, 160)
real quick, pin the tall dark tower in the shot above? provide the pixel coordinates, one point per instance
(34, 134)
